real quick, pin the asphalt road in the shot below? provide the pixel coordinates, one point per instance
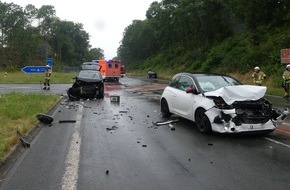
(100, 144)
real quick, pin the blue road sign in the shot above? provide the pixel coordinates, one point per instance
(49, 61)
(33, 69)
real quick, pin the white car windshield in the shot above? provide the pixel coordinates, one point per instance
(211, 83)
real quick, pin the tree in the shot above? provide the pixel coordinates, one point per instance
(95, 54)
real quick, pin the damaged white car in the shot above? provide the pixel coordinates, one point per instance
(220, 103)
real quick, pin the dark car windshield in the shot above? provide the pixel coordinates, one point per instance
(214, 82)
(91, 66)
(90, 75)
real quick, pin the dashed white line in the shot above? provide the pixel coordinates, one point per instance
(277, 142)
(70, 177)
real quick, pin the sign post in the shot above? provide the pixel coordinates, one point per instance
(285, 55)
(37, 69)
(49, 62)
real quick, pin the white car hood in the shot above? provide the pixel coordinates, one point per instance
(230, 94)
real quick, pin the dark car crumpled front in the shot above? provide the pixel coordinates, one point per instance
(88, 84)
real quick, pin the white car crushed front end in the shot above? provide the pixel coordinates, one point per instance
(242, 108)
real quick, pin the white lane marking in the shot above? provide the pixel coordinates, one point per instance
(70, 177)
(277, 142)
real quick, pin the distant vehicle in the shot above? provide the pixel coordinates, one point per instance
(220, 103)
(88, 84)
(123, 72)
(111, 70)
(152, 74)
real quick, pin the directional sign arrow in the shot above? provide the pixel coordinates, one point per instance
(33, 69)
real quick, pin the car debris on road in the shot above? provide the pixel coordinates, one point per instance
(165, 122)
(46, 119)
(24, 143)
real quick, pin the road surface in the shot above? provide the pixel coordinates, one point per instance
(100, 144)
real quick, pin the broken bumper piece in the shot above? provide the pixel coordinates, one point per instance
(227, 121)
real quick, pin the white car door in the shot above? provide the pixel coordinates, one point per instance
(183, 102)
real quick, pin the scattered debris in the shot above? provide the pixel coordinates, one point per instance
(144, 145)
(67, 121)
(85, 106)
(46, 119)
(165, 122)
(210, 144)
(24, 143)
(171, 127)
(123, 111)
(112, 128)
(115, 98)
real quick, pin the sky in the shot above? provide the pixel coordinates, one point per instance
(104, 20)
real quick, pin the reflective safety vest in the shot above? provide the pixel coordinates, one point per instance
(258, 77)
(47, 74)
(286, 76)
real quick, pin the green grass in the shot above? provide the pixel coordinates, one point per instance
(20, 77)
(18, 113)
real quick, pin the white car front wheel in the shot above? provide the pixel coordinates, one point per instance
(165, 109)
(202, 121)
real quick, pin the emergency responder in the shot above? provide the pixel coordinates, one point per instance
(47, 78)
(286, 82)
(258, 76)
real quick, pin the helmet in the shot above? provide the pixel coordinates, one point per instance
(47, 66)
(288, 66)
(257, 68)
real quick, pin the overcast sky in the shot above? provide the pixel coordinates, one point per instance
(104, 20)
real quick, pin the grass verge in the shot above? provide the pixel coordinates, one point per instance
(18, 113)
(20, 77)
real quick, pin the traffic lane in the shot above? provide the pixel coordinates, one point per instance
(41, 166)
(122, 149)
(162, 146)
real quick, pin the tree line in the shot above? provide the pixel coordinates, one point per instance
(29, 35)
(208, 35)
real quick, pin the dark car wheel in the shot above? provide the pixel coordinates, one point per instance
(72, 94)
(101, 93)
(165, 109)
(202, 121)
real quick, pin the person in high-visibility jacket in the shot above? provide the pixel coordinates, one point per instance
(286, 82)
(47, 78)
(258, 76)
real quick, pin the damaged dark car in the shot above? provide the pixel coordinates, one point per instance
(88, 84)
